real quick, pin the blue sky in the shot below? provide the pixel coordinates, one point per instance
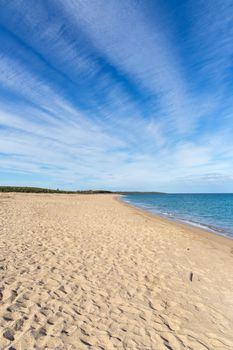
(117, 94)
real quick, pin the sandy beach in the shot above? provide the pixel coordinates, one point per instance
(89, 272)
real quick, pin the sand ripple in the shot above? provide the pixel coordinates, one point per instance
(86, 272)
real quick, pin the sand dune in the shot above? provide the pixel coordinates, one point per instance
(87, 272)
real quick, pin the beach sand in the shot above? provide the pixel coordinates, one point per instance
(88, 272)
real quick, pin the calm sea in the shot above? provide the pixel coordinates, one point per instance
(210, 211)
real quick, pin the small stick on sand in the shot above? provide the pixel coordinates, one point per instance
(191, 276)
(1, 294)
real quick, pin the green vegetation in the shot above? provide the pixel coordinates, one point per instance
(29, 189)
(47, 190)
(44, 190)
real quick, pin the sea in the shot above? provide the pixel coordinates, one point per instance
(213, 212)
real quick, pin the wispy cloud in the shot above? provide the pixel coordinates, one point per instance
(121, 95)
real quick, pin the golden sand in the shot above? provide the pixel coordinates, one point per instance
(88, 272)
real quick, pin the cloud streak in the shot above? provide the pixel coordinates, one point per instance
(116, 95)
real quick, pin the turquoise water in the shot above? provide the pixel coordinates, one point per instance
(210, 211)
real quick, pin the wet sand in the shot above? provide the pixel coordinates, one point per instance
(89, 272)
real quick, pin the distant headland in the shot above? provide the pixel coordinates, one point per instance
(27, 189)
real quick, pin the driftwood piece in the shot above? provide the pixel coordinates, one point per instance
(191, 277)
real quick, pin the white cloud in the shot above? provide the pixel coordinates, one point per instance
(105, 100)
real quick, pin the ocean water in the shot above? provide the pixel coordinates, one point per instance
(213, 212)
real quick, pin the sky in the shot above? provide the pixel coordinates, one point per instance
(117, 94)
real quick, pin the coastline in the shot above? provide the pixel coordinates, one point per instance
(204, 231)
(92, 271)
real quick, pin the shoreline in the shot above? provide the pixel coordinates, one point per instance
(91, 272)
(200, 230)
